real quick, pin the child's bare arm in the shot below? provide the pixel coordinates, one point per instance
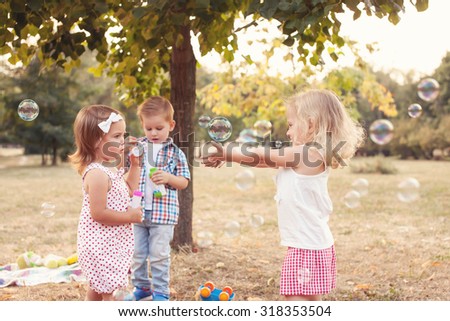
(302, 158)
(133, 176)
(97, 184)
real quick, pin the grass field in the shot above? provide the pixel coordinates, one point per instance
(387, 250)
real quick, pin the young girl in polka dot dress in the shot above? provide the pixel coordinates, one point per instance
(323, 136)
(105, 235)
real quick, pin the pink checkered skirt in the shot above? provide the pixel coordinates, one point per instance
(308, 272)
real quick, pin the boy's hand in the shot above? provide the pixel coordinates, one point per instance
(215, 159)
(160, 177)
(135, 214)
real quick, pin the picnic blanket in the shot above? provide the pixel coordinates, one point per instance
(11, 275)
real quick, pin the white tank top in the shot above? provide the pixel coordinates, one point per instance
(304, 208)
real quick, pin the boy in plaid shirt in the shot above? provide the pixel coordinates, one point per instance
(163, 164)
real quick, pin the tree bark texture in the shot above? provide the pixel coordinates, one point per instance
(182, 96)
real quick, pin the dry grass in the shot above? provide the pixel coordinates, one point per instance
(387, 250)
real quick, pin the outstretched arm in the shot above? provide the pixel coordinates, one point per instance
(303, 158)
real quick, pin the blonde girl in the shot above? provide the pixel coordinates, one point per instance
(105, 239)
(323, 136)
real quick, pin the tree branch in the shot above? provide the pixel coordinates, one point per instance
(252, 23)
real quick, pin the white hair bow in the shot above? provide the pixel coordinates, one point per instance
(106, 125)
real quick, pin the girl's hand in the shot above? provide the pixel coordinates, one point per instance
(134, 150)
(215, 159)
(160, 177)
(135, 214)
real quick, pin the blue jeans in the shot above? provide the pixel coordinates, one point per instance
(152, 245)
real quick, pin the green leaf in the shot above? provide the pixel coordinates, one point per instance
(80, 49)
(248, 59)
(5, 50)
(139, 12)
(35, 5)
(289, 41)
(101, 6)
(284, 6)
(23, 52)
(147, 33)
(17, 5)
(421, 5)
(33, 30)
(228, 55)
(314, 60)
(288, 57)
(178, 19)
(394, 18)
(334, 56)
(202, 4)
(356, 14)
(352, 4)
(96, 71)
(13, 59)
(269, 8)
(129, 81)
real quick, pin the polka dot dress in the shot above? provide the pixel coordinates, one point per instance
(105, 252)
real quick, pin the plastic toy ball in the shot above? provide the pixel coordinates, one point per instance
(209, 285)
(227, 289)
(224, 296)
(208, 292)
(205, 292)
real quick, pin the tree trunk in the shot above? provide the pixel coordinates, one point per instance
(182, 96)
(55, 154)
(44, 157)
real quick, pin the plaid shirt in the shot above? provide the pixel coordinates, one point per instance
(170, 159)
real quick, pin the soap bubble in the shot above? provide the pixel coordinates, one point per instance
(232, 229)
(438, 153)
(247, 136)
(204, 239)
(256, 221)
(203, 121)
(219, 129)
(48, 209)
(414, 110)
(304, 275)
(263, 128)
(245, 180)
(28, 110)
(381, 131)
(408, 190)
(361, 185)
(352, 199)
(278, 144)
(121, 294)
(428, 89)
(137, 151)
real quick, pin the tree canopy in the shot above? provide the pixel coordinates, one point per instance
(142, 34)
(137, 42)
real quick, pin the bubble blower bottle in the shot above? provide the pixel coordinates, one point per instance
(158, 190)
(136, 200)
